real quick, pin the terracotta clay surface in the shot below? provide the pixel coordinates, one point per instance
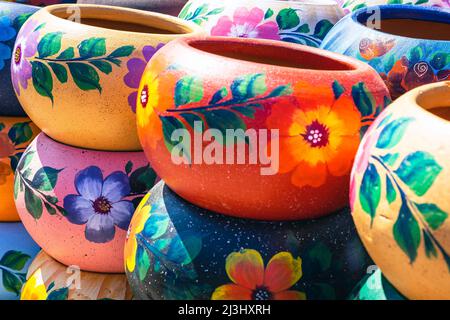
(77, 203)
(400, 194)
(318, 103)
(15, 135)
(48, 279)
(78, 81)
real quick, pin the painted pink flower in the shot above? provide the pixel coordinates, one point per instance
(246, 24)
(367, 144)
(136, 67)
(25, 47)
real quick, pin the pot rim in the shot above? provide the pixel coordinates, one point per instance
(402, 11)
(291, 3)
(435, 88)
(352, 66)
(132, 16)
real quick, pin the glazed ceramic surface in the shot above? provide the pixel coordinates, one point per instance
(172, 7)
(353, 5)
(77, 204)
(400, 192)
(376, 287)
(176, 250)
(12, 17)
(303, 22)
(315, 105)
(50, 280)
(78, 82)
(15, 135)
(17, 250)
(416, 52)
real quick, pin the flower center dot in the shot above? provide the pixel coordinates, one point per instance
(261, 293)
(102, 206)
(144, 96)
(18, 54)
(317, 134)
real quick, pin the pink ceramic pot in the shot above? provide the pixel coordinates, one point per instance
(77, 204)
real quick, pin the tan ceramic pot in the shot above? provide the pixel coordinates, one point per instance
(15, 135)
(400, 192)
(48, 279)
(79, 81)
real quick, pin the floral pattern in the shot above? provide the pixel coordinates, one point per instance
(34, 288)
(251, 281)
(13, 265)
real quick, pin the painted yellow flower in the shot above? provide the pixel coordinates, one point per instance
(137, 224)
(148, 98)
(251, 281)
(34, 288)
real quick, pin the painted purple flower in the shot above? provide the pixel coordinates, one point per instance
(136, 69)
(25, 47)
(99, 204)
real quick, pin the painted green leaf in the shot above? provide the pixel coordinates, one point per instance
(390, 158)
(20, 133)
(415, 55)
(26, 159)
(338, 89)
(18, 186)
(281, 91)
(322, 28)
(121, 52)
(67, 54)
(129, 167)
(156, 226)
(14, 160)
(222, 120)
(51, 210)
(85, 76)
(191, 118)
(185, 10)
(14, 260)
(363, 99)
(42, 79)
(440, 60)
(433, 215)
(59, 294)
(142, 179)
(385, 120)
(370, 190)
(430, 249)
(304, 28)
(215, 11)
(169, 125)
(407, 232)
(103, 66)
(60, 71)
(20, 20)
(219, 95)
(248, 86)
(393, 132)
(33, 203)
(11, 282)
(45, 179)
(389, 62)
(93, 47)
(143, 263)
(50, 44)
(418, 170)
(391, 194)
(268, 14)
(188, 89)
(287, 19)
(319, 256)
(247, 111)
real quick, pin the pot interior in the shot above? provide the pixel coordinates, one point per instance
(436, 101)
(270, 55)
(121, 20)
(411, 22)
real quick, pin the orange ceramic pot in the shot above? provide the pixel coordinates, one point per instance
(77, 203)
(297, 114)
(78, 81)
(15, 135)
(400, 192)
(48, 279)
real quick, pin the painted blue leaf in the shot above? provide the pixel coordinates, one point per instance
(393, 132)
(370, 190)
(390, 191)
(407, 232)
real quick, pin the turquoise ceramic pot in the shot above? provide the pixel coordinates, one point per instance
(175, 250)
(376, 287)
(12, 16)
(410, 46)
(17, 251)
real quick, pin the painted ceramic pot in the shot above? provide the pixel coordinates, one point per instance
(400, 192)
(172, 7)
(376, 287)
(12, 17)
(78, 82)
(409, 48)
(353, 5)
(15, 135)
(17, 250)
(50, 280)
(77, 203)
(303, 22)
(302, 107)
(175, 250)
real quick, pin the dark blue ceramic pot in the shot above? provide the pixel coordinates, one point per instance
(176, 250)
(12, 16)
(376, 287)
(409, 46)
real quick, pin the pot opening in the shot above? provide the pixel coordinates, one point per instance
(436, 101)
(413, 22)
(121, 20)
(270, 55)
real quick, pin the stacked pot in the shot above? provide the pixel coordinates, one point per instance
(17, 249)
(81, 179)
